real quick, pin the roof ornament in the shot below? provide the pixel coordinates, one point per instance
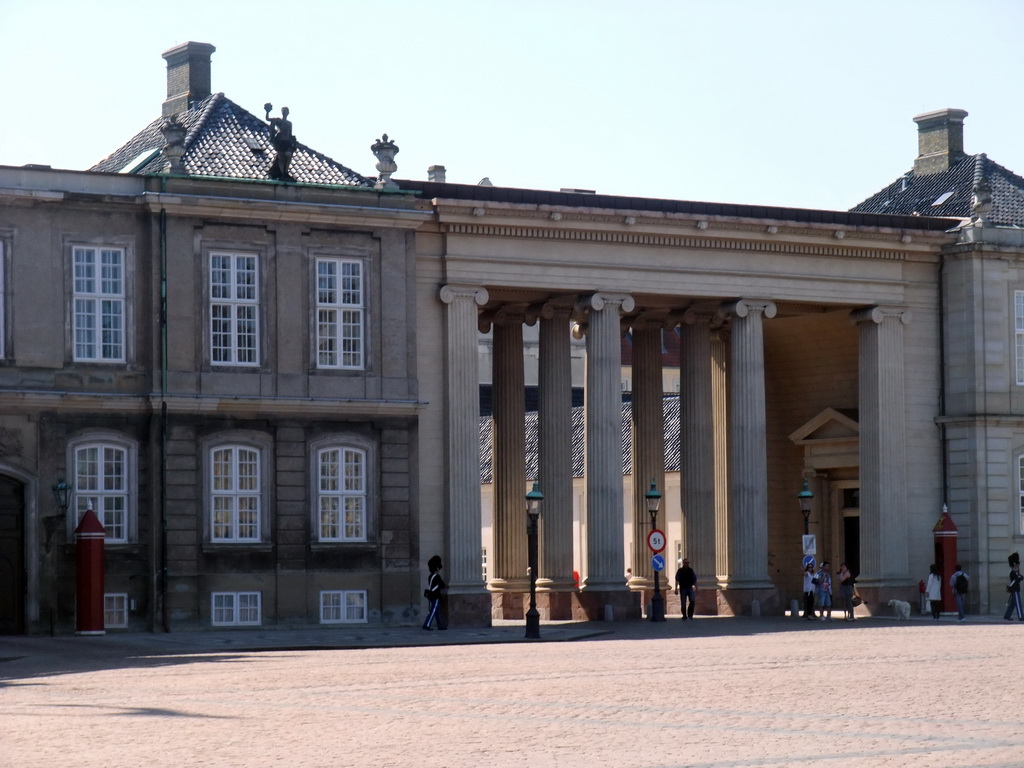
(981, 200)
(283, 141)
(385, 150)
(174, 148)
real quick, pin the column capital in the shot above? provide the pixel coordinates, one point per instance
(709, 317)
(744, 307)
(452, 291)
(879, 314)
(598, 301)
(550, 311)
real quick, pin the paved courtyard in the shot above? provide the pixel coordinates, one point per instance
(714, 693)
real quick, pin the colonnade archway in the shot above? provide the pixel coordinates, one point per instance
(732, 523)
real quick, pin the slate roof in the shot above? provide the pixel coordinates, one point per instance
(224, 140)
(672, 457)
(916, 194)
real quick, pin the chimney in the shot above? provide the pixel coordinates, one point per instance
(188, 76)
(436, 173)
(940, 140)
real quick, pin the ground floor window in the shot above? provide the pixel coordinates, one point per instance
(115, 610)
(236, 609)
(343, 606)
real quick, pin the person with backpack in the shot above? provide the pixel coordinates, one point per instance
(959, 581)
(1013, 588)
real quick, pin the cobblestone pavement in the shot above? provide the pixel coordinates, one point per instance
(711, 693)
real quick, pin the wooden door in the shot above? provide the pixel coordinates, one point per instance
(12, 557)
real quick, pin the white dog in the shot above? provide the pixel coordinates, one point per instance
(901, 608)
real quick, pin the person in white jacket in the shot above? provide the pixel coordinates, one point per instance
(933, 588)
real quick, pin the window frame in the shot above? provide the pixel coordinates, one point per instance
(236, 494)
(236, 609)
(1018, 335)
(98, 296)
(339, 308)
(234, 304)
(120, 610)
(254, 441)
(129, 492)
(343, 494)
(344, 607)
(370, 494)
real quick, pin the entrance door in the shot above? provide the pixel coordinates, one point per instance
(12, 557)
(851, 529)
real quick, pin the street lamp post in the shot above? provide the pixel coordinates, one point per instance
(653, 497)
(62, 495)
(804, 497)
(533, 502)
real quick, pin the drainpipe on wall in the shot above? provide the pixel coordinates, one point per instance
(162, 575)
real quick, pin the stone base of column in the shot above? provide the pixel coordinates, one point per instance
(555, 606)
(509, 605)
(738, 602)
(470, 609)
(590, 605)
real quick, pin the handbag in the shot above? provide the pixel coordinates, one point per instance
(856, 601)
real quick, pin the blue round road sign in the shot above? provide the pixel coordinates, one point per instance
(658, 562)
(808, 560)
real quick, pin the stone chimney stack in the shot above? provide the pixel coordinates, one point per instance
(436, 173)
(188, 76)
(940, 140)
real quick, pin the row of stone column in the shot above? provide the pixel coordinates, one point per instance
(724, 471)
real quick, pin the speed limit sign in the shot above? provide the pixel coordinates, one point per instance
(656, 540)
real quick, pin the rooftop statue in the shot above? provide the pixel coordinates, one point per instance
(283, 142)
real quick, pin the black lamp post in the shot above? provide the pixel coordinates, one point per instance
(62, 495)
(804, 497)
(653, 497)
(533, 502)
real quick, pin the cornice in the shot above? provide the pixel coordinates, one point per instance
(205, 404)
(248, 209)
(677, 230)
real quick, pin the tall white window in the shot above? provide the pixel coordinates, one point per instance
(342, 606)
(98, 304)
(339, 313)
(236, 609)
(1020, 487)
(1018, 318)
(341, 486)
(3, 327)
(235, 494)
(234, 309)
(101, 484)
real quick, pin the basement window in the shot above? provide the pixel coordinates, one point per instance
(942, 198)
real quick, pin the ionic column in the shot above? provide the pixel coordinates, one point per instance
(883, 440)
(648, 440)
(555, 432)
(463, 413)
(699, 433)
(748, 452)
(605, 555)
(509, 415)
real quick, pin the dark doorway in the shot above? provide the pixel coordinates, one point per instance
(851, 543)
(12, 557)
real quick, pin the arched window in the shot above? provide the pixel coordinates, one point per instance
(103, 471)
(341, 490)
(235, 488)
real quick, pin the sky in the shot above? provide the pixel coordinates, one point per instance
(768, 102)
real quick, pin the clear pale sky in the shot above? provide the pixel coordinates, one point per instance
(802, 104)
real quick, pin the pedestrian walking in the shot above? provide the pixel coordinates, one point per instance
(433, 594)
(809, 591)
(1013, 588)
(933, 589)
(823, 580)
(960, 582)
(846, 590)
(686, 585)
